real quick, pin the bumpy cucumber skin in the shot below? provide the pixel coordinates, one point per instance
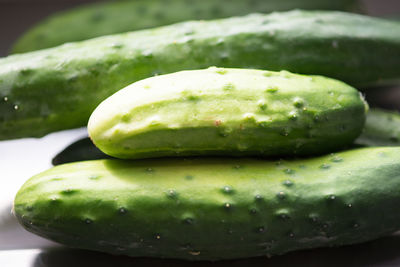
(222, 111)
(58, 88)
(113, 17)
(80, 150)
(215, 208)
(382, 128)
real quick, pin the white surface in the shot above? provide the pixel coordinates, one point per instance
(19, 160)
(18, 259)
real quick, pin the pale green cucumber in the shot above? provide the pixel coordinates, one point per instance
(232, 112)
(382, 129)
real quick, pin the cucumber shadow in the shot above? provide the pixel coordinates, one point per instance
(80, 150)
(381, 252)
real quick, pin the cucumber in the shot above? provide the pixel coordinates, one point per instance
(382, 128)
(80, 150)
(58, 88)
(225, 111)
(215, 208)
(93, 20)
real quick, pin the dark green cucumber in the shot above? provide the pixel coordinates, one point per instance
(80, 150)
(112, 17)
(382, 128)
(226, 111)
(58, 88)
(393, 17)
(214, 208)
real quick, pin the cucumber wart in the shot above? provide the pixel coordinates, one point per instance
(234, 112)
(250, 207)
(58, 88)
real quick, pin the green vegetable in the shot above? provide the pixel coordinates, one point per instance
(56, 89)
(80, 150)
(233, 112)
(112, 17)
(382, 128)
(215, 208)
